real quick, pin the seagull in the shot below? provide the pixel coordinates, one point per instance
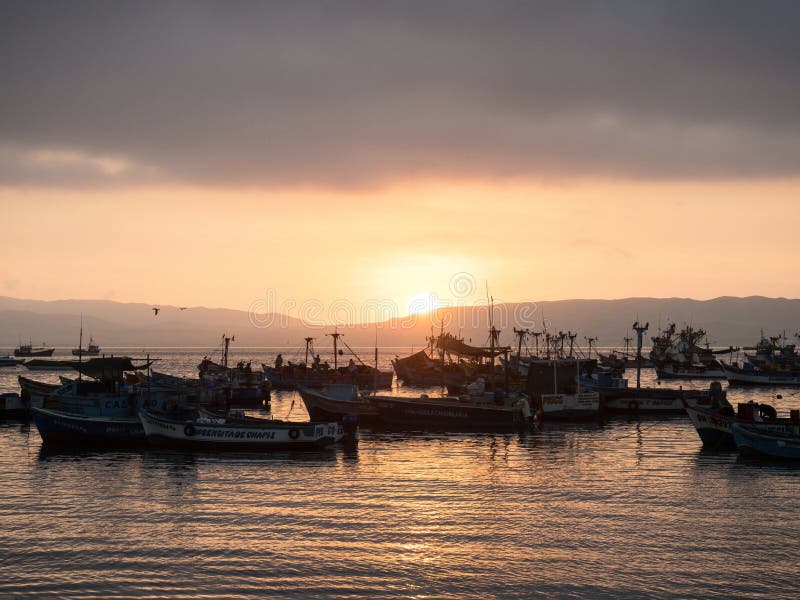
(155, 310)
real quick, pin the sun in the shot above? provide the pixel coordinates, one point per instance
(424, 302)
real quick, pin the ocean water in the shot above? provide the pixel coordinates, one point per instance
(626, 508)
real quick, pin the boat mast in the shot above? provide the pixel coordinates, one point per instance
(80, 349)
(520, 333)
(308, 345)
(335, 335)
(225, 344)
(639, 333)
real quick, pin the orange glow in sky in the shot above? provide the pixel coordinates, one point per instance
(403, 243)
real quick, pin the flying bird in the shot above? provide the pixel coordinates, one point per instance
(155, 310)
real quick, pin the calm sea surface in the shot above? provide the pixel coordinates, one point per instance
(626, 508)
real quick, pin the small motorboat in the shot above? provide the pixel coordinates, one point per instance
(238, 434)
(751, 439)
(9, 361)
(59, 428)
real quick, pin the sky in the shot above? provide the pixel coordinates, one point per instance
(273, 154)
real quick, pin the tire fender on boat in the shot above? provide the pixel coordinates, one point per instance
(294, 434)
(189, 430)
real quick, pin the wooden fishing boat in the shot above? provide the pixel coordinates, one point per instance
(337, 401)
(749, 375)
(67, 429)
(751, 439)
(256, 435)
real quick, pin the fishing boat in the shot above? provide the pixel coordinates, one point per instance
(448, 360)
(292, 376)
(12, 405)
(91, 350)
(679, 355)
(334, 402)
(714, 417)
(490, 412)
(750, 375)
(243, 384)
(29, 349)
(8, 361)
(772, 444)
(555, 389)
(37, 364)
(674, 370)
(35, 393)
(252, 435)
(67, 429)
(618, 398)
(774, 354)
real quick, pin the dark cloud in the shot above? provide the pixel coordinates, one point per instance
(356, 93)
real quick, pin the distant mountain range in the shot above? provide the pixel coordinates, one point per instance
(728, 321)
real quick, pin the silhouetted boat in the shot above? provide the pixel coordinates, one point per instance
(554, 389)
(37, 364)
(91, 350)
(749, 375)
(751, 439)
(7, 361)
(31, 350)
(67, 429)
(714, 417)
(12, 405)
(334, 402)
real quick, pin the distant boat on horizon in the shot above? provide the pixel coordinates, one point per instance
(92, 350)
(29, 350)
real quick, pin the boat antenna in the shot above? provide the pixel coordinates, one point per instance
(639, 329)
(80, 350)
(375, 373)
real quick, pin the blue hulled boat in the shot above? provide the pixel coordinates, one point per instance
(61, 428)
(773, 444)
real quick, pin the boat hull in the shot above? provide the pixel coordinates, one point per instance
(11, 405)
(738, 376)
(322, 406)
(223, 437)
(570, 407)
(767, 444)
(34, 353)
(447, 415)
(671, 371)
(652, 401)
(715, 428)
(59, 428)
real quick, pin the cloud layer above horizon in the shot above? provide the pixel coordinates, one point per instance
(364, 93)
